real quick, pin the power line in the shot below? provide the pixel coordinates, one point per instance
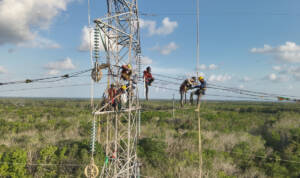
(42, 164)
(252, 94)
(239, 13)
(236, 90)
(256, 92)
(220, 88)
(240, 97)
(57, 80)
(239, 92)
(167, 76)
(48, 79)
(226, 96)
(271, 157)
(170, 82)
(166, 81)
(38, 88)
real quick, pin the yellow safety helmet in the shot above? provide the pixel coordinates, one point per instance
(201, 78)
(124, 87)
(129, 66)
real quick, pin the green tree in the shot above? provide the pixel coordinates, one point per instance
(47, 156)
(14, 164)
(153, 151)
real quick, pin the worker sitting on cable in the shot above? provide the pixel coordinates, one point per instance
(184, 87)
(112, 94)
(148, 80)
(126, 71)
(200, 91)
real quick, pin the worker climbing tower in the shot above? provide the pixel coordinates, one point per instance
(118, 35)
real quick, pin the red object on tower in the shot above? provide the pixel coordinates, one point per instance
(147, 76)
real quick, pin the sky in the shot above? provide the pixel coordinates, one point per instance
(252, 45)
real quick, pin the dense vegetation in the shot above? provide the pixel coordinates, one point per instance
(50, 138)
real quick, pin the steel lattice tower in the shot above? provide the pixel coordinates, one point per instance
(118, 32)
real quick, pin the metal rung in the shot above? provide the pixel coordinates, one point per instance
(107, 112)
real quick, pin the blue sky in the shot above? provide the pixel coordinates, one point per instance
(244, 44)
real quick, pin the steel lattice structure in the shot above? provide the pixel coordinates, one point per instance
(118, 33)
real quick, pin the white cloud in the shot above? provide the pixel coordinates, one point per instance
(272, 77)
(286, 72)
(202, 74)
(167, 49)
(245, 79)
(294, 71)
(209, 67)
(169, 71)
(146, 60)
(202, 67)
(219, 78)
(283, 78)
(276, 68)
(277, 78)
(39, 42)
(149, 24)
(85, 39)
(166, 28)
(289, 52)
(212, 67)
(2, 70)
(21, 21)
(55, 67)
(265, 49)
(192, 74)
(53, 72)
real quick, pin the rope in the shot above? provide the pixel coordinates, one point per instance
(198, 43)
(199, 140)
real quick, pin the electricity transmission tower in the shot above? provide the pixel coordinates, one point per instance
(118, 33)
